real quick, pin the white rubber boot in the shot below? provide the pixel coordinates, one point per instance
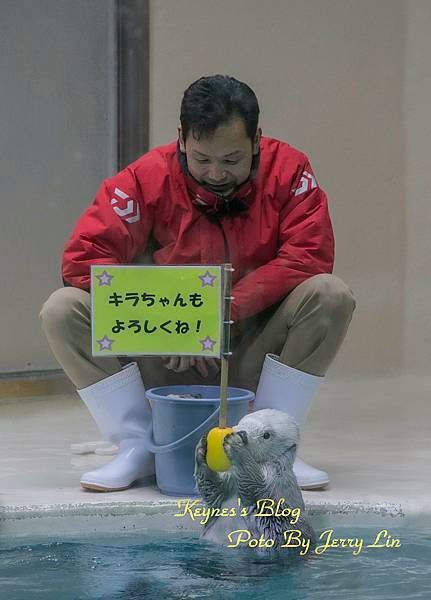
(291, 391)
(122, 413)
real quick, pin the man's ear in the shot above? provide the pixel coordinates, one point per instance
(256, 141)
(181, 139)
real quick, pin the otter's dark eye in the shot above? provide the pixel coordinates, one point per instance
(266, 435)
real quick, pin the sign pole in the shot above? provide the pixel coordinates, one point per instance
(225, 353)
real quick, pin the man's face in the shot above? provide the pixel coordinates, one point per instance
(222, 160)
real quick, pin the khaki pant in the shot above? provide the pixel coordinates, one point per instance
(306, 329)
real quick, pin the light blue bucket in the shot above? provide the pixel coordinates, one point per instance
(179, 423)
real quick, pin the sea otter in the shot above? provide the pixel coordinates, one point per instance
(261, 450)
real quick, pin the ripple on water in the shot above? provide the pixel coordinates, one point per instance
(176, 566)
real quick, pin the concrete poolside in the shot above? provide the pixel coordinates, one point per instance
(372, 436)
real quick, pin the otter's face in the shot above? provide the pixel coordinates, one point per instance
(269, 434)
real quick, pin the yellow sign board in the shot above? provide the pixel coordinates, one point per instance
(156, 310)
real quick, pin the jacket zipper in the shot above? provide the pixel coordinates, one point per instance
(226, 244)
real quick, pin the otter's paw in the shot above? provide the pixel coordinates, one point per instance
(235, 444)
(201, 450)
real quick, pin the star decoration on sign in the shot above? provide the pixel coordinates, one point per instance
(207, 279)
(104, 278)
(105, 343)
(208, 343)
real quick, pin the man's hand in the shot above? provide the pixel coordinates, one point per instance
(204, 365)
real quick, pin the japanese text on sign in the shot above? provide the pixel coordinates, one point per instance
(146, 310)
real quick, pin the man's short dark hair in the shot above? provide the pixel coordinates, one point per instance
(212, 101)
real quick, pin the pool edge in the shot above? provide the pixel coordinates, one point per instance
(159, 515)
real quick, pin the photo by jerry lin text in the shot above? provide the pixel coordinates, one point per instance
(292, 538)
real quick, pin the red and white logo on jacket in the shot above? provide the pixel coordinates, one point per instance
(307, 183)
(131, 212)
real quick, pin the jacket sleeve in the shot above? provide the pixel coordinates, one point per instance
(306, 248)
(112, 230)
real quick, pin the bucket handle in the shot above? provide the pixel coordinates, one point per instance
(163, 449)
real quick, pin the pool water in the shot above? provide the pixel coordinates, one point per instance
(180, 566)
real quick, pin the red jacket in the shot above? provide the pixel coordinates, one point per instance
(283, 238)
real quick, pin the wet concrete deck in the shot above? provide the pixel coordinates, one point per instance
(372, 436)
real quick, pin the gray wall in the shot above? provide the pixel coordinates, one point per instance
(417, 126)
(330, 77)
(57, 140)
(346, 81)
